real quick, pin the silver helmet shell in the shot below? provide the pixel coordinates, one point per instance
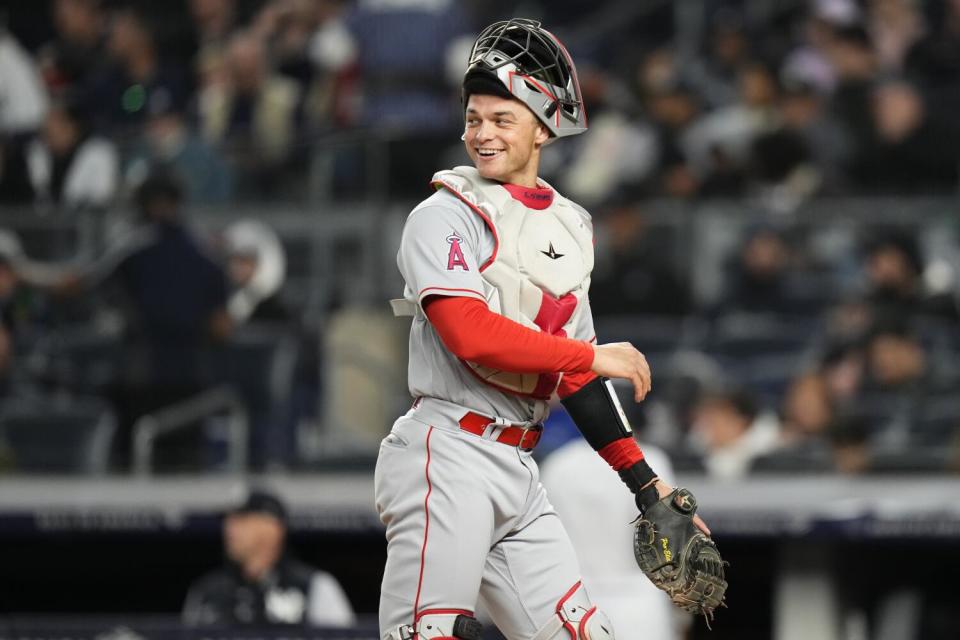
(535, 68)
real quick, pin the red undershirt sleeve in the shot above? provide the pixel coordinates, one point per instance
(472, 332)
(573, 381)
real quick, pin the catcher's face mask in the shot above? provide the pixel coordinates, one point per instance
(529, 64)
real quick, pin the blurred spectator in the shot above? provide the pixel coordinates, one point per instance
(896, 359)
(895, 287)
(635, 271)
(23, 97)
(286, 27)
(137, 80)
(257, 268)
(213, 22)
(175, 296)
(261, 582)
(673, 107)
(809, 61)
(715, 73)
(850, 51)
(730, 431)
(807, 151)
(843, 369)
(619, 153)
(308, 42)
(249, 111)
(894, 26)
(69, 61)
(849, 438)
(718, 144)
(333, 54)
(178, 293)
(807, 410)
(69, 166)
(909, 152)
(764, 277)
(15, 186)
(592, 502)
(169, 141)
(903, 384)
(807, 416)
(23, 107)
(934, 60)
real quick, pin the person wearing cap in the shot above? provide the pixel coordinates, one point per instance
(261, 582)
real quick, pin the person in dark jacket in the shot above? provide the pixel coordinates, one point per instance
(261, 582)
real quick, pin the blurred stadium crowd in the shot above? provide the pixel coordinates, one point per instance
(774, 186)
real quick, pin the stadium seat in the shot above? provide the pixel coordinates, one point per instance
(54, 436)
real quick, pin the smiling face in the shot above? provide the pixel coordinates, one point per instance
(503, 138)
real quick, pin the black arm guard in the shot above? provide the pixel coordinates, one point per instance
(598, 415)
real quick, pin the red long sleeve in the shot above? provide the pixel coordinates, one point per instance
(572, 382)
(472, 332)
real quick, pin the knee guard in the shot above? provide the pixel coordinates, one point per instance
(579, 617)
(439, 624)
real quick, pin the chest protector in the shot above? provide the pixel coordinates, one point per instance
(539, 272)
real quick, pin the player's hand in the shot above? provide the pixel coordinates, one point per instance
(665, 489)
(622, 360)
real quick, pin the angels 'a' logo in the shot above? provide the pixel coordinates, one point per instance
(455, 257)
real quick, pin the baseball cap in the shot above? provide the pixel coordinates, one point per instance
(262, 502)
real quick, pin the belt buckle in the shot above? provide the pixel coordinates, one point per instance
(536, 429)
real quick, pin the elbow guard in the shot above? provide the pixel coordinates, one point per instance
(598, 415)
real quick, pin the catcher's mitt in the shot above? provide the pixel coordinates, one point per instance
(678, 557)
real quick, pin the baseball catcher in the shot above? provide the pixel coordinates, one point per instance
(497, 267)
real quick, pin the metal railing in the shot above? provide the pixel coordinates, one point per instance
(187, 415)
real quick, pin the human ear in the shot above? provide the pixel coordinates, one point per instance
(541, 136)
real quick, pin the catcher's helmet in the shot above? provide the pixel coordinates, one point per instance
(520, 59)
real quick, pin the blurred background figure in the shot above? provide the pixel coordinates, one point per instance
(762, 277)
(256, 265)
(589, 499)
(211, 24)
(895, 285)
(23, 106)
(77, 50)
(171, 143)
(71, 168)
(173, 297)
(718, 144)
(262, 582)
(136, 78)
(635, 272)
(23, 96)
(730, 431)
(249, 111)
(908, 151)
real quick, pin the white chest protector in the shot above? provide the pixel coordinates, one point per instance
(539, 272)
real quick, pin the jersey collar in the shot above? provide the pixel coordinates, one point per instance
(532, 198)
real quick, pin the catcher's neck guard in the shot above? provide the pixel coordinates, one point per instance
(532, 66)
